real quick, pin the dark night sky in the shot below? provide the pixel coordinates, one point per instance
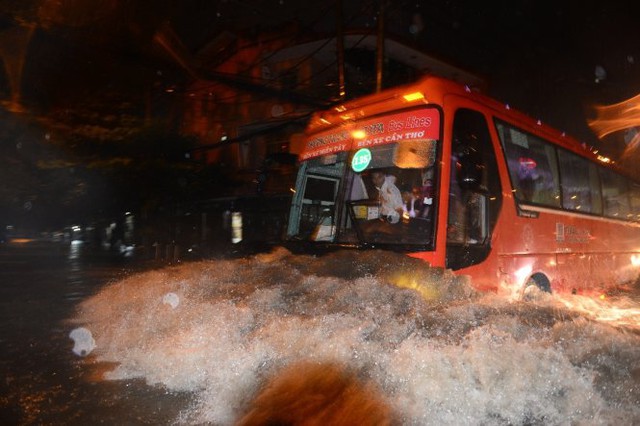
(537, 55)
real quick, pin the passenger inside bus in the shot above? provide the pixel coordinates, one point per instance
(412, 204)
(391, 205)
(426, 192)
(390, 214)
(466, 213)
(417, 201)
(528, 178)
(377, 211)
(529, 164)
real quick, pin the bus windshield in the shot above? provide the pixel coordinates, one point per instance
(370, 194)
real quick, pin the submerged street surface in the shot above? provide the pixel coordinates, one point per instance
(44, 382)
(193, 343)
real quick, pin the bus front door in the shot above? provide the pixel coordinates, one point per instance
(474, 191)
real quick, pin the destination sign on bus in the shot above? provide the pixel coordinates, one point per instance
(409, 125)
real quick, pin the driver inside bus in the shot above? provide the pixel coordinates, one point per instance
(391, 205)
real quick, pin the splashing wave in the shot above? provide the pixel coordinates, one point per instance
(439, 352)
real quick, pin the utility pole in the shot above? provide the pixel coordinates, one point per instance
(380, 47)
(340, 51)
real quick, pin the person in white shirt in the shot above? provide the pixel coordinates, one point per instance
(391, 205)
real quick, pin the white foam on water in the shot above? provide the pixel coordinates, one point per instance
(171, 299)
(83, 342)
(439, 354)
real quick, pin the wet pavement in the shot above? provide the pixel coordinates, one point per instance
(44, 382)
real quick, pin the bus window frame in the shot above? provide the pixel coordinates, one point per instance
(345, 212)
(341, 209)
(530, 209)
(345, 204)
(307, 169)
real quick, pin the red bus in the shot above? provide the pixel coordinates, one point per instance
(462, 181)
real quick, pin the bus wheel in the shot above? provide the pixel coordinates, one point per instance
(536, 286)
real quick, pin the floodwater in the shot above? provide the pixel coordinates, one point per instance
(43, 381)
(194, 343)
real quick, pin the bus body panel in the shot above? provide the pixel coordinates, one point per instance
(580, 255)
(572, 251)
(590, 255)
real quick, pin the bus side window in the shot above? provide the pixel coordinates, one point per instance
(615, 194)
(532, 166)
(580, 184)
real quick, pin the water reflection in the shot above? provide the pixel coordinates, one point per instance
(454, 357)
(76, 288)
(43, 381)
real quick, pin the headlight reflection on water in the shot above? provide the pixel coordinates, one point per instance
(620, 311)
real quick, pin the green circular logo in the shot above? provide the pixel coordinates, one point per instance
(361, 160)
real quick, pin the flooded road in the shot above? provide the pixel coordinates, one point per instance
(195, 343)
(43, 381)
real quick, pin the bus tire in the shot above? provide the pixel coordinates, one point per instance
(536, 286)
